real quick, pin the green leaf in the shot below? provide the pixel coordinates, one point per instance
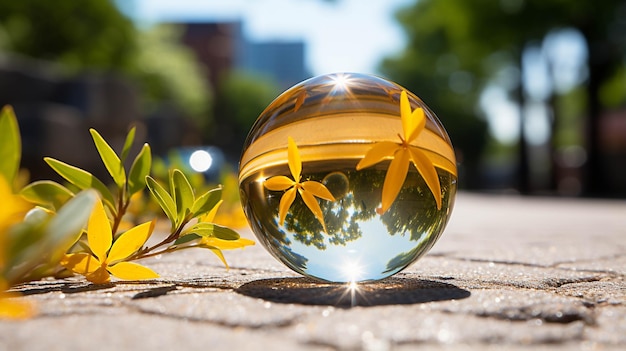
(139, 170)
(184, 196)
(41, 240)
(47, 193)
(22, 247)
(163, 198)
(206, 202)
(110, 159)
(36, 216)
(186, 238)
(10, 144)
(172, 186)
(224, 233)
(83, 180)
(213, 230)
(130, 138)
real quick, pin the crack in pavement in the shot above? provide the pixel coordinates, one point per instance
(278, 324)
(531, 312)
(533, 265)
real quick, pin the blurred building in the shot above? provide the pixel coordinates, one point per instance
(55, 112)
(282, 61)
(222, 47)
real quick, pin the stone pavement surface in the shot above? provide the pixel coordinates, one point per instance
(509, 273)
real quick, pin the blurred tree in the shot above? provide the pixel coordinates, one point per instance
(240, 99)
(77, 34)
(95, 35)
(168, 72)
(456, 48)
(448, 81)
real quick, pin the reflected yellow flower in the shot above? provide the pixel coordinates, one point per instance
(402, 154)
(108, 259)
(308, 190)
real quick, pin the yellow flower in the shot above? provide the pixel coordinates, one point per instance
(99, 267)
(217, 245)
(402, 154)
(308, 190)
(13, 208)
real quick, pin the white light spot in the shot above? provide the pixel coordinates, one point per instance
(340, 81)
(200, 161)
(352, 272)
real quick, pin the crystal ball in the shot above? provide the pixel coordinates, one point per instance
(347, 178)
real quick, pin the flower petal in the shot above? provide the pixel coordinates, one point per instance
(300, 100)
(12, 308)
(278, 183)
(81, 263)
(405, 115)
(99, 233)
(312, 204)
(132, 271)
(427, 170)
(226, 244)
(210, 216)
(13, 208)
(285, 203)
(219, 255)
(318, 189)
(295, 163)
(100, 276)
(396, 174)
(418, 121)
(377, 153)
(131, 241)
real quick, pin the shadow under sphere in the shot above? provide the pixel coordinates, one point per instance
(391, 291)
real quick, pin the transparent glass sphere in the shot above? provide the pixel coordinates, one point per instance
(347, 178)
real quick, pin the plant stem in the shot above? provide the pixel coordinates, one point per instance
(152, 254)
(147, 252)
(121, 210)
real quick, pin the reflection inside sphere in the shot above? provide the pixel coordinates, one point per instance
(347, 178)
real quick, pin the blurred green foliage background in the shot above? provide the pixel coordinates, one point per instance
(457, 49)
(458, 54)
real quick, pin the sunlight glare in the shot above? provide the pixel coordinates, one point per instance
(340, 82)
(352, 271)
(200, 161)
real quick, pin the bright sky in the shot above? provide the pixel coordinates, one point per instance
(344, 35)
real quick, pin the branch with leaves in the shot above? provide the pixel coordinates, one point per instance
(50, 229)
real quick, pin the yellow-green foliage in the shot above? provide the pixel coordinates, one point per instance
(48, 229)
(230, 212)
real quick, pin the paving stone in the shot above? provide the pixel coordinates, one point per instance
(597, 293)
(520, 305)
(220, 308)
(614, 265)
(397, 325)
(610, 326)
(487, 274)
(131, 331)
(535, 231)
(508, 273)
